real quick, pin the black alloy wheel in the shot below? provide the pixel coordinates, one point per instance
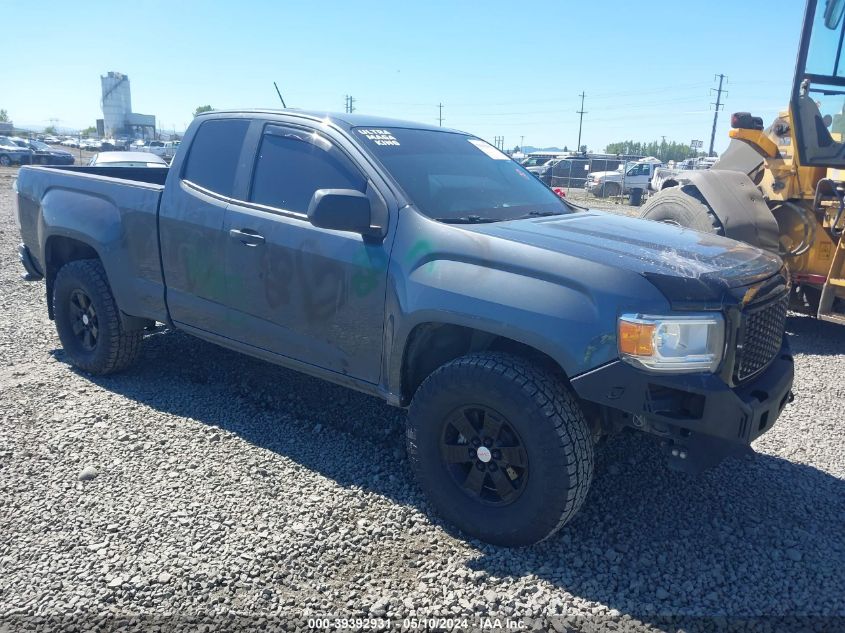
(84, 320)
(485, 455)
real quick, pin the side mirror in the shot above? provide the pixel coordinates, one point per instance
(340, 210)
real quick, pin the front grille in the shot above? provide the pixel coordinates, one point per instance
(760, 337)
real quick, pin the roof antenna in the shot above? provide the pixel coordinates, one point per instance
(280, 95)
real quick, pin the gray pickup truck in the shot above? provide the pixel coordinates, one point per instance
(424, 267)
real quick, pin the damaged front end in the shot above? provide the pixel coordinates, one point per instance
(704, 417)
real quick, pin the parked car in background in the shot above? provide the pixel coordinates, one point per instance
(52, 140)
(573, 170)
(91, 145)
(170, 148)
(43, 154)
(13, 154)
(668, 176)
(70, 142)
(636, 175)
(126, 159)
(156, 147)
(535, 162)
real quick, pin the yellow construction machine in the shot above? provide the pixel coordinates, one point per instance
(783, 188)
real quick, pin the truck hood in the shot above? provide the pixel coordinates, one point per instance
(652, 249)
(595, 175)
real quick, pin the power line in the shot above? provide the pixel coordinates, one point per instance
(581, 114)
(718, 105)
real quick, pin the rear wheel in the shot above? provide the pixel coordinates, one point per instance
(682, 207)
(500, 447)
(5, 161)
(88, 321)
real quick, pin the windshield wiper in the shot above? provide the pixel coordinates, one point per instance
(468, 219)
(538, 214)
(477, 219)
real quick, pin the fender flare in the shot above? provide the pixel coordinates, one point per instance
(738, 204)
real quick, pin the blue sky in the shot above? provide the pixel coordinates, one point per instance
(511, 69)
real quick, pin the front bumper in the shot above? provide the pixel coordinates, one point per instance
(592, 187)
(702, 419)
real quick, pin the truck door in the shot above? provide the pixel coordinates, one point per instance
(637, 176)
(311, 294)
(193, 245)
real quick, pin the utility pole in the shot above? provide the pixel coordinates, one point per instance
(521, 144)
(718, 105)
(440, 115)
(581, 114)
(663, 147)
(350, 104)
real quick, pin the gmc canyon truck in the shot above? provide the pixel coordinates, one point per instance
(422, 266)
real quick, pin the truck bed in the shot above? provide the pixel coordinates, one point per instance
(149, 175)
(113, 210)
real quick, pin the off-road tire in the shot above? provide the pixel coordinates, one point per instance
(115, 349)
(683, 206)
(555, 436)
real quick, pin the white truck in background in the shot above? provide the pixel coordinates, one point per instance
(666, 176)
(635, 175)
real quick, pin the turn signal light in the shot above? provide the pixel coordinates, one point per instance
(636, 339)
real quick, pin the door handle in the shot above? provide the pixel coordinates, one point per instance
(248, 237)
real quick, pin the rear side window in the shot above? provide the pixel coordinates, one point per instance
(215, 153)
(290, 168)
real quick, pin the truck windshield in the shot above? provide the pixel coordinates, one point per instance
(452, 176)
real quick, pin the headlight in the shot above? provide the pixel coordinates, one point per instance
(676, 344)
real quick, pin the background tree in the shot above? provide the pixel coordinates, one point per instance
(4, 116)
(88, 131)
(50, 129)
(201, 109)
(664, 150)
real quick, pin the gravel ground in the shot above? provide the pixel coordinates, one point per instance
(616, 205)
(207, 487)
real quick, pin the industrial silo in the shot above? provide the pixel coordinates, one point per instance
(116, 102)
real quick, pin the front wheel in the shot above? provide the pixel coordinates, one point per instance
(500, 447)
(5, 161)
(88, 321)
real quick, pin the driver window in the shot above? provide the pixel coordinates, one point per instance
(289, 169)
